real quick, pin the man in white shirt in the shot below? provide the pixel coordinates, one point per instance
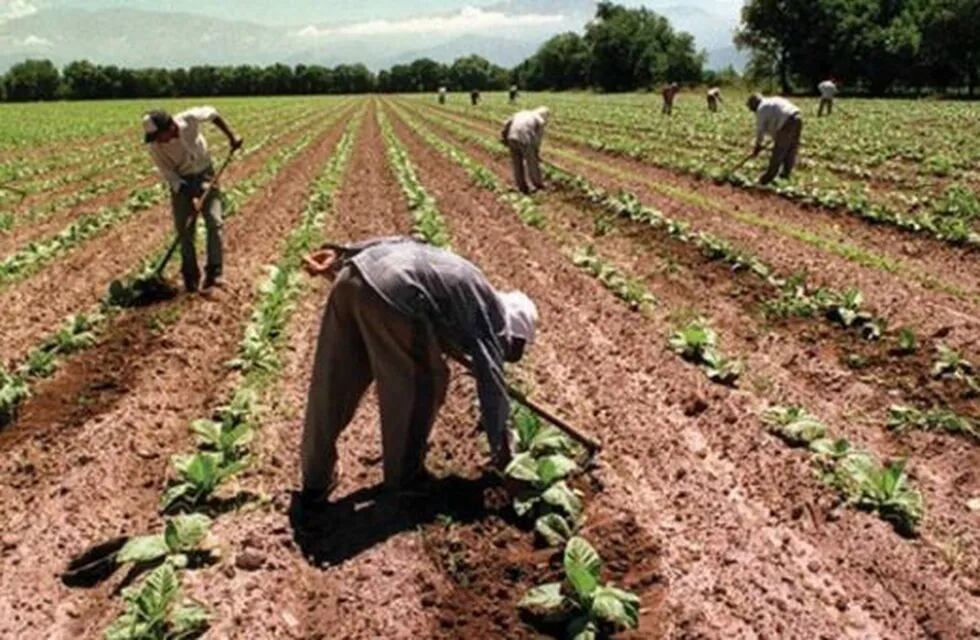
(442, 95)
(714, 99)
(828, 91)
(180, 152)
(522, 134)
(779, 119)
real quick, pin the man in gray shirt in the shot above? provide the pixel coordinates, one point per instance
(523, 133)
(397, 306)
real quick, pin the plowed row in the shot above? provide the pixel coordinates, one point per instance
(723, 530)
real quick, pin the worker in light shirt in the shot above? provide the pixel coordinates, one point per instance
(180, 152)
(779, 119)
(828, 91)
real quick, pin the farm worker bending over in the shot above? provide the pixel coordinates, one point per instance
(397, 306)
(180, 152)
(474, 97)
(523, 133)
(828, 90)
(442, 95)
(779, 119)
(714, 98)
(669, 93)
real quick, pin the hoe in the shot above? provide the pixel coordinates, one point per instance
(147, 289)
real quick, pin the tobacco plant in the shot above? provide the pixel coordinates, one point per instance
(183, 536)
(13, 391)
(630, 291)
(587, 608)
(794, 425)
(155, 610)
(901, 418)
(198, 475)
(697, 343)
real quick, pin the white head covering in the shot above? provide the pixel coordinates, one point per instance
(520, 313)
(544, 112)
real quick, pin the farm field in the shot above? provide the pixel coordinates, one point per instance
(782, 378)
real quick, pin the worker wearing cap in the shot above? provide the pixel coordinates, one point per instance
(668, 93)
(714, 99)
(523, 133)
(180, 152)
(828, 91)
(397, 306)
(779, 119)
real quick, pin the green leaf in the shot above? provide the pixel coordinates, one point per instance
(523, 467)
(582, 567)
(185, 532)
(175, 494)
(554, 529)
(560, 495)
(143, 549)
(544, 600)
(208, 432)
(187, 620)
(618, 607)
(554, 467)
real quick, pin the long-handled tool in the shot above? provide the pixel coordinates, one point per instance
(593, 445)
(146, 289)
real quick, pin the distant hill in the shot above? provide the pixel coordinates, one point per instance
(137, 37)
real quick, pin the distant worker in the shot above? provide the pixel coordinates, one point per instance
(180, 152)
(669, 92)
(397, 306)
(828, 91)
(442, 95)
(513, 93)
(714, 99)
(475, 97)
(779, 119)
(522, 134)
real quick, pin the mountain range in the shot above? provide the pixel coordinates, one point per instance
(506, 33)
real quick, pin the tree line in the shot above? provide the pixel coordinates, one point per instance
(878, 46)
(621, 50)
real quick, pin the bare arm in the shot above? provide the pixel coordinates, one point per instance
(233, 140)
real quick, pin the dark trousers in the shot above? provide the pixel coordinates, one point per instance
(182, 207)
(784, 151)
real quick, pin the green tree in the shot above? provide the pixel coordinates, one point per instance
(560, 63)
(476, 72)
(32, 80)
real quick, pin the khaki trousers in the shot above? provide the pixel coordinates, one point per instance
(362, 338)
(182, 206)
(785, 149)
(526, 164)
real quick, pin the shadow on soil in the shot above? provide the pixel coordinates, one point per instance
(331, 533)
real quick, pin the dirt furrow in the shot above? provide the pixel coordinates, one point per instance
(63, 491)
(896, 296)
(727, 504)
(361, 579)
(39, 304)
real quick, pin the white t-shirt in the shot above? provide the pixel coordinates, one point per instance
(187, 154)
(771, 115)
(827, 89)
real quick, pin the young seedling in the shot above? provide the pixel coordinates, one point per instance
(697, 343)
(183, 536)
(907, 343)
(901, 418)
(155, 610)
(950, 364)
(199, 474)
(794, 425)
(556, 507)
(13, 391)
(587, 608)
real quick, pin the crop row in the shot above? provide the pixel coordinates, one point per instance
(117, 170)
(83, 328)
(153, 608)
(544, 463)
(697, 342)
(950, 215)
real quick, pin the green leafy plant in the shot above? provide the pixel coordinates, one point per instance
(588, 608)
(794, 425)
(902, 417)
(13, 391)
(533, 436)
(697, 343)
(155, 610)
(626, 289)
(907, 343)
(198, 475)
(951, 364)
(183, 535)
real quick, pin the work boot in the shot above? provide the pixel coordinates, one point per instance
(211, 280)
(190, 285)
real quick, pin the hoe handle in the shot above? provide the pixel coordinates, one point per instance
(590, 443)
(194, 214)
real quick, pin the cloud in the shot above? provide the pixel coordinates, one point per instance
(466, 20)
(36, 41)
(11, 9)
